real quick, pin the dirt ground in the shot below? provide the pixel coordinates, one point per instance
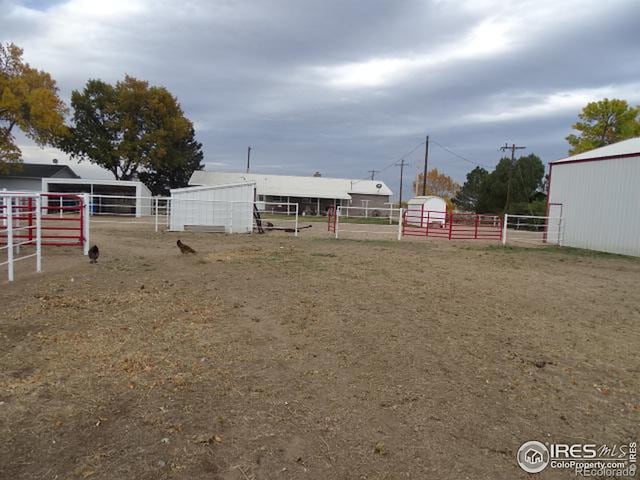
(271, 357)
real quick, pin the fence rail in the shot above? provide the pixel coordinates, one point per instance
(451, 225)
(18, 212)
(532, 229)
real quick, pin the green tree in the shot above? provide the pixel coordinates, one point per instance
(126, 128)
(29, 101)
(467, 197)
(525, 178)
(175, 169)
(602, 123)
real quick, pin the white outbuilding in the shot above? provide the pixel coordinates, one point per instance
(108, 197)
(426, 210)
(597, 196)
(221, 208)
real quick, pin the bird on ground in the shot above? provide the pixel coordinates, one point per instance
(185, 249)
(94, 253)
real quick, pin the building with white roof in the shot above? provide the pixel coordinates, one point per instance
(314, 195)
(597, 196)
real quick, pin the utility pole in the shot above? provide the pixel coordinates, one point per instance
(513, 149)
(401, 165)
(373, 173)
(248, 158)
(426, 159)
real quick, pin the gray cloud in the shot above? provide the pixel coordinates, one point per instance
(346, 86)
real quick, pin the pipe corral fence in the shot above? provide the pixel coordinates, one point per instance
(414, 223)
(40, 219)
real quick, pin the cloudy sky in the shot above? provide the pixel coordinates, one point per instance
(346, 86)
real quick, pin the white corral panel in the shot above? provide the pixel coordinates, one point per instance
(600, 203)
(229, 206)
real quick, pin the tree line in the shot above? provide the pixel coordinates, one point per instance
(132, 129)
(516, 188)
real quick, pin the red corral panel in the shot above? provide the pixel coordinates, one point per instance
(62, 219)
(453, 226)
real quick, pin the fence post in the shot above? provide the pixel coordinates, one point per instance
(3, 204)
(475, 235)
(86, 209)
(400, 224)
(30, 219)
(38, 234)
(295, 234)
(9, 211)
(61, 205)
(336, 222)
(559, 231)
(230, 217)
(450, 224)
(426, 233)
(156, 212)
(504, 228)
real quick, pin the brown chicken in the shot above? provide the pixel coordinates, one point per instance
(94, 253)
(185, 249)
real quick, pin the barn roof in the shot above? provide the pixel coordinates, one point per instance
(295, 186)
(39, 170)
(619, 149)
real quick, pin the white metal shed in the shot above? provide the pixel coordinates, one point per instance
(119, 197)
(227, 208)
(425, 210)
(597, 194)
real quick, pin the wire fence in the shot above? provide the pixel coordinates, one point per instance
(177, 214)
(532, 229)
(343, 226)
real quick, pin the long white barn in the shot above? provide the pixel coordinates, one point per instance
(312, 194)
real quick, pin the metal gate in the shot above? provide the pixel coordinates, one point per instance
(63, 219)
(452, 226)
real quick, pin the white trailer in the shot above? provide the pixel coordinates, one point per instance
(223, 208)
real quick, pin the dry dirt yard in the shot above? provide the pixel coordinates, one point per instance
(270, 357)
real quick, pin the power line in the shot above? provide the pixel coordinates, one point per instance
(393, 164)
(459, 156)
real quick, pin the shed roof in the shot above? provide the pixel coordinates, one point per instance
(294, 186)
(423, 199)
(209, 187)
(619, 149)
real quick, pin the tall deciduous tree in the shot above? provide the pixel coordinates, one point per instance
(467, 197)
(29, 101)
(175, 170)
(438, 184)
(602, 123)
(127, 128)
